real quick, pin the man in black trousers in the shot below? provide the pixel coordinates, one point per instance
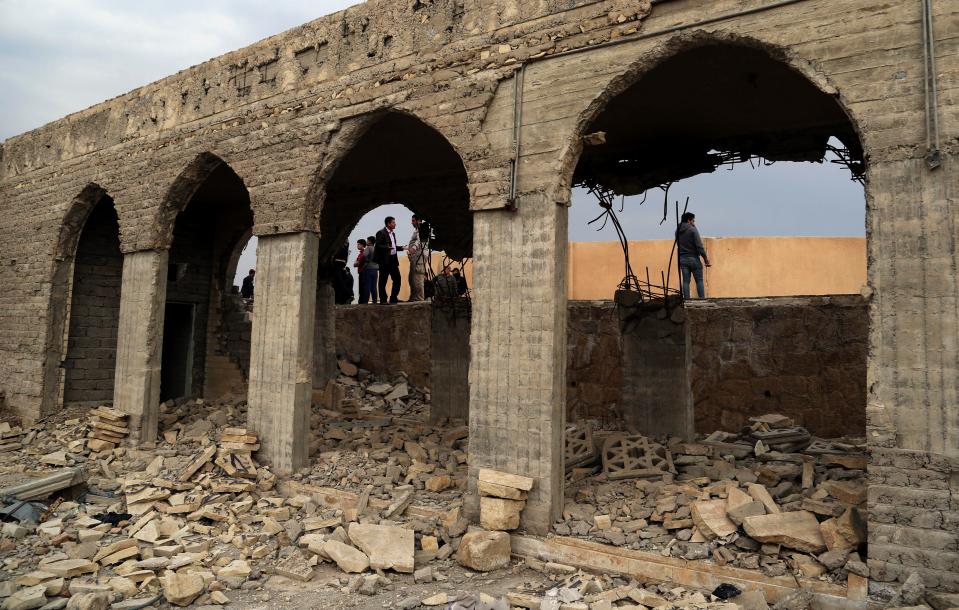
(385, 255)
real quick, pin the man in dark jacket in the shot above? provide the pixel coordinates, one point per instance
(385, 256)
(691, 248)
(246, 291)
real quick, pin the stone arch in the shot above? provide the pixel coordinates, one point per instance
(354, 141)
(345, 141)
(181, 192)
(675, 47)
(62, 284)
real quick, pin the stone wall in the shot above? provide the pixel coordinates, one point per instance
(386, 339)
(802, 357)
(594, 372)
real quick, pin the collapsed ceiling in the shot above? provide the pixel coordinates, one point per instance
(709, 107)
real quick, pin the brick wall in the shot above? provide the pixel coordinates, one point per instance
(94, 310)
(594, 372)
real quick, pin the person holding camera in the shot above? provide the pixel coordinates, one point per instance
(416, 254)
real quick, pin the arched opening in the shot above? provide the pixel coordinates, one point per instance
(384, 357)
(699, 378)
(86, 303)
(206, 331)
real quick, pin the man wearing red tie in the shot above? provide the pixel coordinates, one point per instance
(385, 255)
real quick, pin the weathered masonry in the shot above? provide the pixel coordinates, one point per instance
(474, 112)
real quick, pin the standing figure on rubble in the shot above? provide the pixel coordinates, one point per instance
(416, 254)
(385, 256)
(691, 248)
(246, 290)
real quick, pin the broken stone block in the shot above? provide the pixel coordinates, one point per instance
(760, 493)
(852, 493)
(710, 518)
(484, 551)
(797, 530)
(89, 601)
(237, 568)
(296, 567)
(500, 514)
(69, 568)
(27, 598)
(348, 559)
(388, 547)
(439, 483)
(844, 533)
(500, 491)
(507, 480)
(750, 509)
(181, 589)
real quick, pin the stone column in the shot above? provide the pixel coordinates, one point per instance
(913, 367)
(136, 388)
(518, 351)
(450, 360)
(324, 336)
(281, 350)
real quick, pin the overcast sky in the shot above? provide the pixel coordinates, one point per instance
(61, 56)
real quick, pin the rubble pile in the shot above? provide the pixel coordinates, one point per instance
(579, 591)
(10, 437)
(108, 428)
(771, 498)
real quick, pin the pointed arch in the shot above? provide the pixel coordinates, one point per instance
(675, 48)
(92, 200)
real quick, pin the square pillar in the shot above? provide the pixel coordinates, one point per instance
(281, 350)
(450, 360)
(324, 335)
(136, 389)
(517, 377)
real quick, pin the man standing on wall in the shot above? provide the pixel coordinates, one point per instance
(385, 256)
(246, 291)
(416, 254)
(691, 248)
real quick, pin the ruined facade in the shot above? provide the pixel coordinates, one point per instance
(473, 112)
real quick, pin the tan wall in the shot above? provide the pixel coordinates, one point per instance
(742, 266)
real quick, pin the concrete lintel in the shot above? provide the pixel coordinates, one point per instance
(281, 350)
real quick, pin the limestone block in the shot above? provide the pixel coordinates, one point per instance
(346, 557)
(508, 480)
(797, 530)
(500, 491)
(181, 589)
(500, 514)
(484, 551)
(710, 517)
(760, 493)
(388, 547)
(27, 598)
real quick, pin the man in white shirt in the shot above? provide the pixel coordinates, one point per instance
(385, 254)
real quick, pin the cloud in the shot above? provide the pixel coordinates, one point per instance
(61, 56)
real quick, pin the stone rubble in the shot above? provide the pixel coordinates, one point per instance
(782, 503)
(195, 516)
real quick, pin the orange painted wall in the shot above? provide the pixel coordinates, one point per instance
(742, 266)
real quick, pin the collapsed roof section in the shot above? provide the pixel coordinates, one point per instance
(708, 107)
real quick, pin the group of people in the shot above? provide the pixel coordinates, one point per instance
(377, 264)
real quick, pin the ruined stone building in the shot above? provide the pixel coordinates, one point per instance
(121, 224)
